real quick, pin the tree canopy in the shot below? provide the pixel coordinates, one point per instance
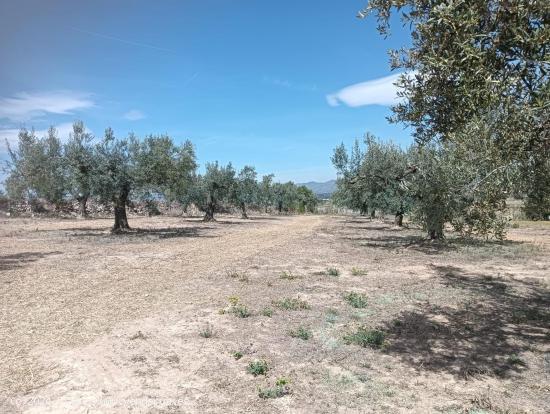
(478, 65)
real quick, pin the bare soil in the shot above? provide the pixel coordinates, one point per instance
(100, 323)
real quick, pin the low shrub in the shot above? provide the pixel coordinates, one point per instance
(332, 271)
(357, 300)
(292, 304)
(258, 367)
(364, 337)
(301, 332)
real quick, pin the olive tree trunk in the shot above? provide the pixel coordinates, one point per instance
(399, 216)
(399, 219)
(243, 211)
(121, 220)
(436, 232)
(82, 202)
(210, 208)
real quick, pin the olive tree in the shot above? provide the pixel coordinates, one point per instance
(483, 60)
(350, 192)
(306, 200)
(213, 189)
(284, 196)
(265, 190)
(372, 178)
(79, 162)
(36, 168)
(130, 167)
(246, 189)
(460, 184)
(114, 174)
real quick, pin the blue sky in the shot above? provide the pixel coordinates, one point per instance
(273, 84)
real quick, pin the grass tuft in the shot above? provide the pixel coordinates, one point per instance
(292, 304)
(332, 271)
(357, 300)
(237, 308)
(277, 391)
(241, 311)
(207, 331)
(301, 332)
(367, 338)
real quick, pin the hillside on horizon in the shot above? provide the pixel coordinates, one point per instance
(321, 189)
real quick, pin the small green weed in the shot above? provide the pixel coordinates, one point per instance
(332, 271)
(371, 338)
(258, 367)
(282, 381)
(514, 359)
(240, 311)
(357, 300)
(237, 308)
(237, 355)
(292, 304)
(207, 331)
(273, 392)
(301, 332)
(267, 312)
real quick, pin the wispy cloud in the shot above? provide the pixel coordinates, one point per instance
(134, 115)
(125, 41)
(289, 85)
(25, 106)
(381, 91)
(10, 135)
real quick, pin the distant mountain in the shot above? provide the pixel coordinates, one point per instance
(322, 190)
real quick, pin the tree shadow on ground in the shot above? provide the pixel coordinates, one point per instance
(404, 241)
(141, 233)
(423, 245)
(17, 260)
(485, 335)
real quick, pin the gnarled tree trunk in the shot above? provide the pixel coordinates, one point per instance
(373, 213)
(82, 201)
(243, 211)
(210, 208)
(121, 220)
(436, 232)
(399, 216)
(398, 219)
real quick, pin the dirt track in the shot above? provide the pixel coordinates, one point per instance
(100, 323)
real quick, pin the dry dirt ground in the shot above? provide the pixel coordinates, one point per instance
(100, 323)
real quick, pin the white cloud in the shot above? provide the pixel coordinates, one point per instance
(11, 134)
(25, 106)
(134, 115)
(382, 91)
